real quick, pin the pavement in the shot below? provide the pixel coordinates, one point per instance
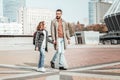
(85, 62)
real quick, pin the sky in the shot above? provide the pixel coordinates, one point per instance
(73, 10)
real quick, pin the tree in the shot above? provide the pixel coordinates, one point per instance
(71, 28)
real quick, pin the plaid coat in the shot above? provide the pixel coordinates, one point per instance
(39, 40)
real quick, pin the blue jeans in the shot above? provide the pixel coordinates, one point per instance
(42, 57)
(60, 53)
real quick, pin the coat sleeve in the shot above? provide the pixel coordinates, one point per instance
(52, 30)
(36, 39)
(67, 32)
(39, 39)
(47, 37)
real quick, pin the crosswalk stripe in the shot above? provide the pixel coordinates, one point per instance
(18, 76)
(95, 67)
(88, 75)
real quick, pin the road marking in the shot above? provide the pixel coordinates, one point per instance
(52, 72)
(53, 77)
(24, 74)
(14, 72)
(95, 67)
(88, 75)
(28, 75)
(17, 67)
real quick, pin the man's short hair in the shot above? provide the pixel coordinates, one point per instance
(59, 10)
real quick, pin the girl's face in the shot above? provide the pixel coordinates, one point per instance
(41, 26)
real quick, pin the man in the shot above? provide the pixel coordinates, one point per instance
(60, 35)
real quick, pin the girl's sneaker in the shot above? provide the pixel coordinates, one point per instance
(42, 69)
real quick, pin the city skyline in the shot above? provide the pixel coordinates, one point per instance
(97, 11)
(73, 11)
(11, 7)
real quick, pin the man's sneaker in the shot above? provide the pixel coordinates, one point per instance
(52, 64)
(41, 69)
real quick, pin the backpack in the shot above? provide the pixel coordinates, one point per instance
(34, 36)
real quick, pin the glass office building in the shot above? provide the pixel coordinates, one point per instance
(1, 8)
(97, 9)
(11, 7)
(92, 12)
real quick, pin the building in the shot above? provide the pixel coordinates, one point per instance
(11, 7)
(112, 17)
(3, 19)
(97, 10)
(30, 18)
(87, 37)
(10, 29)
(108, 1)
(112, 20)
(1, 10)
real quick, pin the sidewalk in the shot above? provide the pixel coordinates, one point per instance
(80, 58)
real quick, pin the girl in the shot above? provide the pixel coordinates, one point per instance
(41, 41)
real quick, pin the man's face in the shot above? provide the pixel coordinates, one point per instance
(58, 14)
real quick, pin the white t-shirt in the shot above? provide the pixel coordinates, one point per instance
(44, 41)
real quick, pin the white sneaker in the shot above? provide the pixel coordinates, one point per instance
(41, 69)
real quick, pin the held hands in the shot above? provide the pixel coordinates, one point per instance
(36, 49)
(54, 42)
(68, 41)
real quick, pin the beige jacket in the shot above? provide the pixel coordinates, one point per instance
(54, 32)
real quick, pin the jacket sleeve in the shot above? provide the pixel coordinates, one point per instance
(47, 37)
(37, 39)
(67, 32)
(52, 30)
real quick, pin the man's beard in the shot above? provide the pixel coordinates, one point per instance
(57, 17)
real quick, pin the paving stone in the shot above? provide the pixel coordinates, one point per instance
(76, 56)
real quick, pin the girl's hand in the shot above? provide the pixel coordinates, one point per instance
(54, 42)
(36, 49)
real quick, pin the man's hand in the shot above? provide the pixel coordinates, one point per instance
(54, 42)
(68, 41)
(36, 49)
